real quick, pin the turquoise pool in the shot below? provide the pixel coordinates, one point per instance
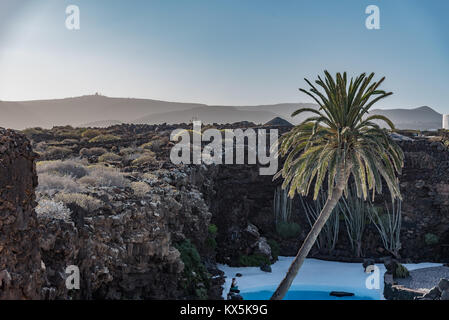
(300, 295)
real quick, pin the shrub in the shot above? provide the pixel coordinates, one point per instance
(86, 202)
(70, 141)
(92, 152)
(144, 159)
(288, 230)
(194, 269)
(254, 260)
(212, 233)
(213, 229)
(105, 177)
(127, 151)
(109, 157)
(53, 153)
(88, 181)
(154, 145)
(104, 138)
(52, 209)
(66, 132)
(51, 184)
(275, 249)
(90, 133)
(401, 271)
(431, 239)
(72, 168)
(29, 132)
(40, 147)
(140, 188)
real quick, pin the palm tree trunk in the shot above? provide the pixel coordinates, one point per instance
(309, 241)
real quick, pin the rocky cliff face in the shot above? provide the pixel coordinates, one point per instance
(135, 247)
(425, 207)
(20, 259)
(243, 197)
(125, 250)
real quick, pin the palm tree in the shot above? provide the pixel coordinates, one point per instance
(340, 140)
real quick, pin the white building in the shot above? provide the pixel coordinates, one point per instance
(446, 121)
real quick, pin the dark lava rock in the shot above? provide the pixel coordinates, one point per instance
(265, 268)
(391, 265)
(367, 263)
(21, 273)
(341, 294)
(443, 285)
(433, 294)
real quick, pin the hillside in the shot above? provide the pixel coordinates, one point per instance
(102, 111)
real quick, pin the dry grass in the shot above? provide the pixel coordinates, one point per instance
(109, 157)
(86, 202)
(141, 189)
(51, 184)
(73, 168)
(146, 158)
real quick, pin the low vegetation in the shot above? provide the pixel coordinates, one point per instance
(195, 272)
(401, 271)
(52, 209)
(140, 188)
(254, 260)
(104, 138)
(288, 230)
(84, 201)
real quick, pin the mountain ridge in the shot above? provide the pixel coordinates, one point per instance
(99, 110)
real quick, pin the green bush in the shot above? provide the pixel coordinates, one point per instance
(431, 239)
(210, 241)
(401, 271)
(254, 260)
(288, 230)
(104, 138)
(194, 270)
(275, 249)
(213, 229)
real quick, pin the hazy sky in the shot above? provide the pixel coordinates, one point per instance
(235, 52)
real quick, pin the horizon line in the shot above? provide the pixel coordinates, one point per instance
(97, 94)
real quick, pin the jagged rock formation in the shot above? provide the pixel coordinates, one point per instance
(125, 250)
(20, 260)
(128, 248)
(241, 196)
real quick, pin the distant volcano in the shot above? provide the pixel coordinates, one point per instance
(278, 121)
